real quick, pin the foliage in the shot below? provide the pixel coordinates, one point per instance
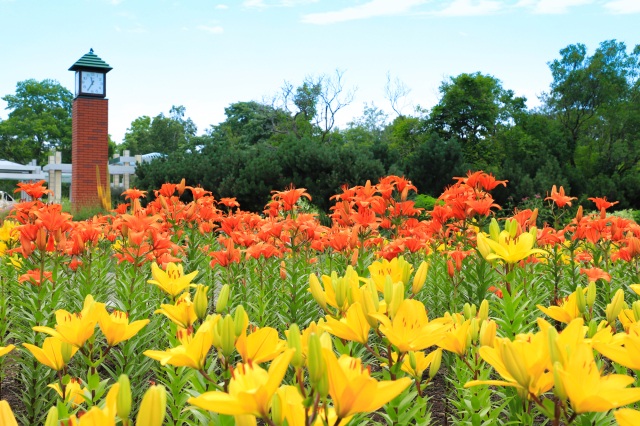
(39, 121)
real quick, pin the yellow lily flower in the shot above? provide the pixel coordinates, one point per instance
(410, 329)
(622, 348)
(173, 281)
(250, 390)
(94, 417)
(72, 392)
(260, 346)
(627, 417)
(511, 250)
(636, 289)
(353, 390)
(6, 349)
(54, 353)
(182, 313)
(457, 339)
(76, 329)
(6, 415)
(397, 268)
(193, 350)
(587, 390)
(524, 364)
(116, 327)
(354, 327)
(288, 405)
(416, 363)
(566, 312)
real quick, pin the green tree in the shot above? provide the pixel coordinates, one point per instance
(161, 134)
(472, 109)
(39, 122)
(585, 87)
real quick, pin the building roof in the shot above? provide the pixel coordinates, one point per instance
(90, 61)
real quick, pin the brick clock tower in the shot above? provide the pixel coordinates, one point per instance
(90, 132)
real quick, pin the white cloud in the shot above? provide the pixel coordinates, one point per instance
(623, 6)
(222, 7)
(552, 6)
(211, 29)
(370, 9)
(471, 7)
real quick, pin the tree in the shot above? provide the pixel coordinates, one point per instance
(161, 134)
(472, 109)
(583, 86)
(39, 122)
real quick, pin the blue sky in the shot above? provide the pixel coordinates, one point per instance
(206, 55)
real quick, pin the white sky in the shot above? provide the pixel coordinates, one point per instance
(206, 55)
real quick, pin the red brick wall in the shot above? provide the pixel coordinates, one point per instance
(90, 145)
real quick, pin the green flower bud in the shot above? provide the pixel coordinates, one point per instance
(52, 417)
(435, 363)
(294, 341)
(223, 298)
(123, 401)
(581, 301)
(494, 230)
(201, 301)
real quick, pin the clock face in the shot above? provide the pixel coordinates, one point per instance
(92, 83)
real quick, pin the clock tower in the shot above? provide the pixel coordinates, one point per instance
(90, 130)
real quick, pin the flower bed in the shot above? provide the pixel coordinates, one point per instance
(201, 313)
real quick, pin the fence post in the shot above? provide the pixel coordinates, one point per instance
(57, 192)
(116, 178)
(125, 178)
(52, 178)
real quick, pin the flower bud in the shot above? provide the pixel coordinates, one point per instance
(153, 407)
(66, 350)
(396, 299)
(534, 217)
(412, 360)
(435, 363)
(451, 269)
(614, 308)
(554, 351)
(368, 306)
(494, 229)
(511, 226)
(240, 321)
(420, 277)
(277, 412)
(52, 417)
(483, 246)
(226, 337)
(388, 290)
(488, 331)
(581, 301)
(466, 310)
(123, 401)
(317, 292)
(591, 294)
(483, 312)
(636, 310)
(315, 361)
(294, 341)
(558, 384)
(406, 269)
(342, 290)
(474, 330)
(201, 301)
(223, 298)
(593, 328)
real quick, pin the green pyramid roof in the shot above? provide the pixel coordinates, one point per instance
(90, 61)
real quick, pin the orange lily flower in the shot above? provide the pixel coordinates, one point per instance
(559, 197)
